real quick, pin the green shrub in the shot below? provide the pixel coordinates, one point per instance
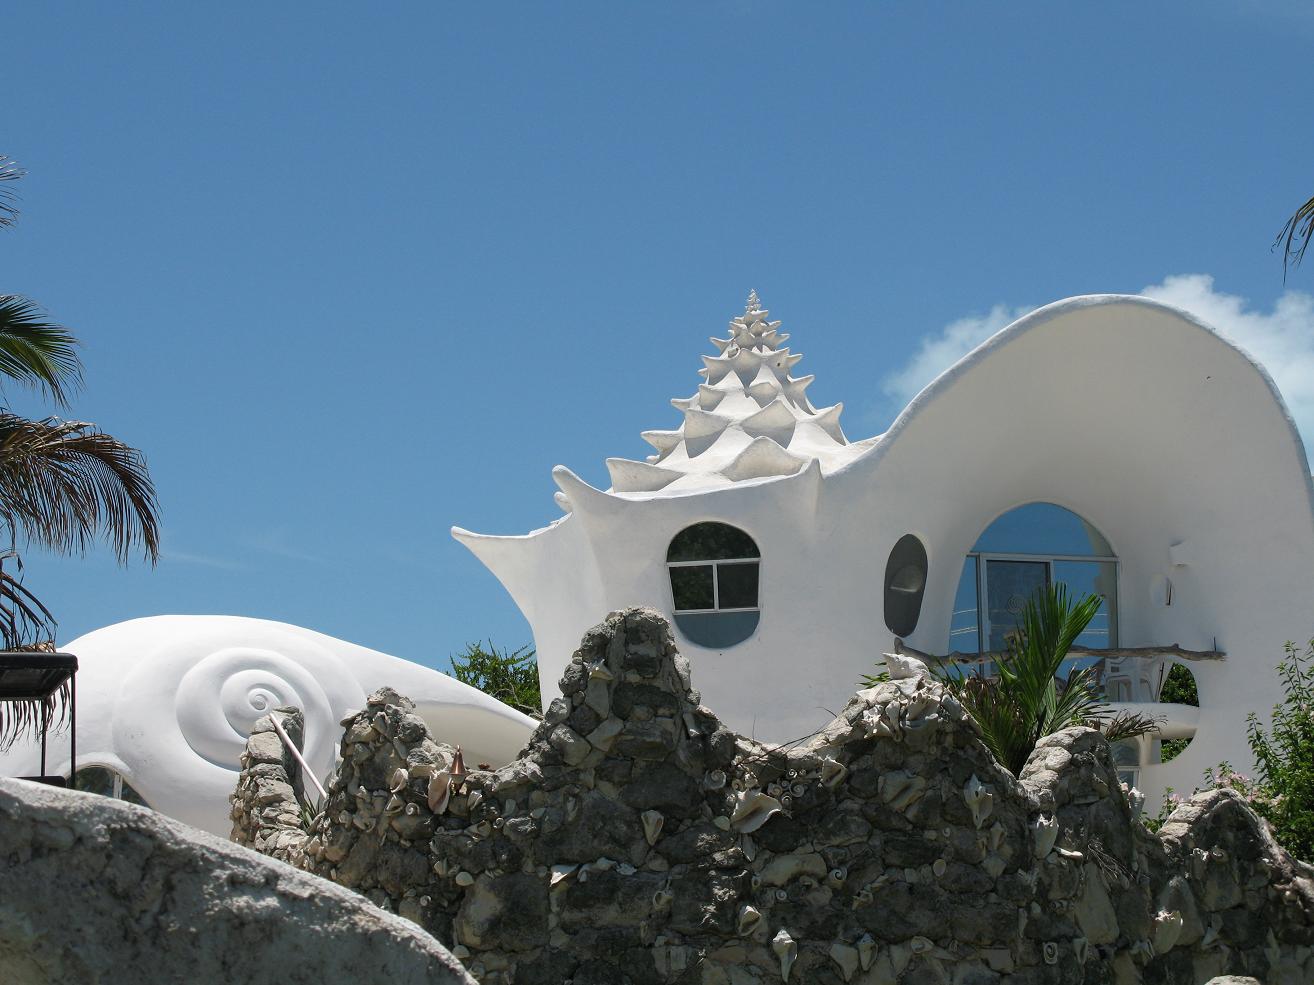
(1282, 792)
(510, 677)
(1284, 756)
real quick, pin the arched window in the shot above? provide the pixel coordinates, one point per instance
(714, 579)
(905, 583)
(1024, 550)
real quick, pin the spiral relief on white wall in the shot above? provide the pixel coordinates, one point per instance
(167, 702)
(187, 707)
(223, 694)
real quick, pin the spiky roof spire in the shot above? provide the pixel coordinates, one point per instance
(750, 419)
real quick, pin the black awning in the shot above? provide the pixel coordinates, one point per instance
(30, 676)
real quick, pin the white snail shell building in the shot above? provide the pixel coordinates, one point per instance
(1109, 442)
(165, 705)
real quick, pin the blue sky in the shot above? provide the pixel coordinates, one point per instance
(352, 276)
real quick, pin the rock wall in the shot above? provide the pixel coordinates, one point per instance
(637, 840)
(94, 890)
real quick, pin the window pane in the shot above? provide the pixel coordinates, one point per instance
(737, 584)
(1042, 528)
(1093, 578)
(1009, 584)
(1126, 753)
(710, 542)
(963, 631)
(95, 779)
(692, 587)
(132, 796)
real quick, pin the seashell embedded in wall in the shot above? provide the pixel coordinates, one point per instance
(652, 825)
(786, 950)
(753, 808)
(980, 800)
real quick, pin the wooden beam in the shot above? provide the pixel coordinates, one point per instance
(1116, 653)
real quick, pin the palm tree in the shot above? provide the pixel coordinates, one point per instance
(63, 484)
(9, 171)
(1294, 237)
(1027, 700)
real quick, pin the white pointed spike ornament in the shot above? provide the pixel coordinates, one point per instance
(628, 476)
(748, 398)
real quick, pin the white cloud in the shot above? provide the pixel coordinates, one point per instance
(202, 560)
(940, 351)
(1282, 339)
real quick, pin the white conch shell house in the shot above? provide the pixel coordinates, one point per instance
(1110, 442)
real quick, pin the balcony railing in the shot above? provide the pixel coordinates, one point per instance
(1131, 675)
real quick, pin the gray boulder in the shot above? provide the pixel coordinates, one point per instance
(93, 890)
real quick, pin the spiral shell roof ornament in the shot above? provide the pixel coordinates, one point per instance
(749, 419)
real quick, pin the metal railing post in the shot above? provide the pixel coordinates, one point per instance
(296, 754)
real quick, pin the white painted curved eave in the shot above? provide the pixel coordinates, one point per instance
(1037, 320)
(1157, 430)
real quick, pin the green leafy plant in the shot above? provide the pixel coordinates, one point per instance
(1027, 700)
(1284, 756)
(871, 680)
(307, 811)
(1171, 801)
(510, 677)
(1282, 791)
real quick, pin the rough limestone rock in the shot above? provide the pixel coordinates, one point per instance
(637, 840)
(93, 890)
(270, 793)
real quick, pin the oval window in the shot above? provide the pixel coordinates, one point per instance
(714, 579)
(905, 584)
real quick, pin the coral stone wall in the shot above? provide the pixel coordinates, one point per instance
(266, 809)
(638, 840)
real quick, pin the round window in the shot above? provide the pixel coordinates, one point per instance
(714, 579)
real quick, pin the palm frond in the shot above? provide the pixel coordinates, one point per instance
(26, 624)
(65, 483)
(1079, 701)
(1006, 728)
(22, 719)
(1294, 237)
(1126, 725)
(1027, 700)
(9, 171)
(37, 352)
